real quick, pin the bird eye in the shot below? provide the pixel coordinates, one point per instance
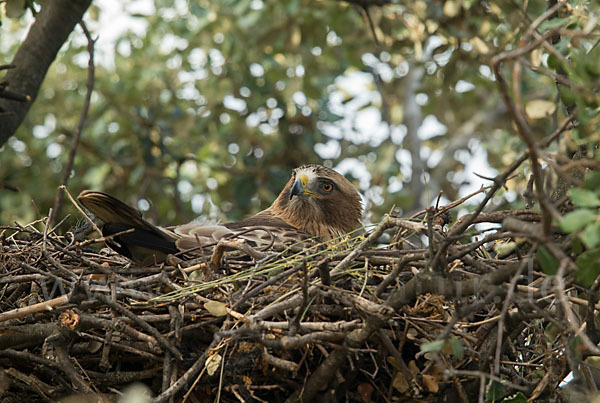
(327, 187)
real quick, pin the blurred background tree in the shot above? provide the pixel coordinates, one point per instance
(202, 108)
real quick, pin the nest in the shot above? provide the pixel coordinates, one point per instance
(414, 309)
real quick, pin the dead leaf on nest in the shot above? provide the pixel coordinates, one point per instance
(196, 275)
(212, 364)
(412, 366)
(412, 334)
(433, 307)
(400, 383)
(431, 383)
(69, 319)
(216, 308)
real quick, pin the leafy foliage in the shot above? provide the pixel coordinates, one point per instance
(584, 222)
(203, 108)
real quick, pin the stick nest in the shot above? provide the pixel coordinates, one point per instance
(413, 309)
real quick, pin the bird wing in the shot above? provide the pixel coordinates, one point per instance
(109, 209)
(263, 231)
(147, 243)
(142, 241)
(195, 237)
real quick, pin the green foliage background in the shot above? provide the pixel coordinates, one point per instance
(161, 125)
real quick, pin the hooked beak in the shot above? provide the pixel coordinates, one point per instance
(299, 186)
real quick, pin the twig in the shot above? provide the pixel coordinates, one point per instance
(295, 323)
(571, 321)
(159, 337)
(504, 310)
(67, 367)
(75, 141)
(31, 309)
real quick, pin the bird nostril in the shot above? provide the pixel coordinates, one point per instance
(304, 180)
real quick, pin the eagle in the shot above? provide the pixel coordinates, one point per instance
(317, 203)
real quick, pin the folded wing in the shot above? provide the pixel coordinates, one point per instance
(134, 237)
(137, 238)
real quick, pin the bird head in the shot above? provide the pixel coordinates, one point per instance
(319, 201)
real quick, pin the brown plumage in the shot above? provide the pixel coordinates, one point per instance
(316, 202)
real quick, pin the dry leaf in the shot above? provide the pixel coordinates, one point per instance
(536, 57)
(216, 308)
(196, 275)
(212, 364)
(505, 248)
(399, 382)
(412, 366)
(411, 334)
(539, 108)
(69, 319)
(392, 360)
(431, 383)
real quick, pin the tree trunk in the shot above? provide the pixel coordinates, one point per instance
(51, 28)
(413, 120)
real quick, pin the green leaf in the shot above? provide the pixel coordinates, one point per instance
(584, 198)
(519, 397)
(591, 235)
(567, 95)
(553, 23)
(434, 346)
(495, 391)
(592, 180)
(547, 261)
(458, 349)
(588, 267)
(553, 62)
(576, 220)
(576, 246)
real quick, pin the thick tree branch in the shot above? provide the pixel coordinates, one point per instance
(53, 25)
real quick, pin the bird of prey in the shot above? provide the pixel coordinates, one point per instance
(317, 202)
